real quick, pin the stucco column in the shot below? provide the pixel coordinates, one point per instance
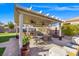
(20, 31)
(16, 27)
(60, 32)
(27, 29)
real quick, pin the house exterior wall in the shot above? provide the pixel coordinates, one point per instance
(1, 29)
(74, 22)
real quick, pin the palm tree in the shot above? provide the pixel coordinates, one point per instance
(11, 25)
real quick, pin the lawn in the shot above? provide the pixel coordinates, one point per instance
(5, 36)
(2, 51)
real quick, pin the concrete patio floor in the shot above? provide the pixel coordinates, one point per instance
(42, 49)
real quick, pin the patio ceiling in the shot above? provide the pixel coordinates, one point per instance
(33, 18)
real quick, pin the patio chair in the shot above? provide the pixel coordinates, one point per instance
(75, 40)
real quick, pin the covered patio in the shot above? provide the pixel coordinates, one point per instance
(35, 19)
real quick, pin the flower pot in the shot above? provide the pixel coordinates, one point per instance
(24, 52)
(17, 36)
(60, 37)
(26, 45)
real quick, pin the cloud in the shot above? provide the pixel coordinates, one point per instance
(76, 6)
(59, 8)
(72, 8)
(62, 8)
(41, 6)
(2, 3)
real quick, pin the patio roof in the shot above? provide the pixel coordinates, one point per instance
(33, 18)
(27, 16)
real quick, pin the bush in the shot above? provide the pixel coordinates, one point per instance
(69, 29)
(26, 39)
(78, 28)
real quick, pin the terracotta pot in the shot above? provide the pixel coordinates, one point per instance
(60, 38)
(24, 52)
(26, 45)
(27, 52)
(25, 49)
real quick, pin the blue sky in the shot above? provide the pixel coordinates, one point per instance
(63, 11)
(6, 12)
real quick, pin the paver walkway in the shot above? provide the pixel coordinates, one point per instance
(11, 47)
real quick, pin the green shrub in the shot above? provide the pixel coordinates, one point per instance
(78, 28)
(69, 29)
(25, 39)
(2, 51)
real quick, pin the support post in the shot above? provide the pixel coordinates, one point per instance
(27, 29)
(20, 32)
(16, 28)
(60, 34)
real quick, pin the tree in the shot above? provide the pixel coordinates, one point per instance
(11, 25)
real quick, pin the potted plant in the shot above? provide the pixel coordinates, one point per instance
(25, 49)
(17, 36)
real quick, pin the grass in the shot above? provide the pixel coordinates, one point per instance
(5, 36)
(2, 51)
